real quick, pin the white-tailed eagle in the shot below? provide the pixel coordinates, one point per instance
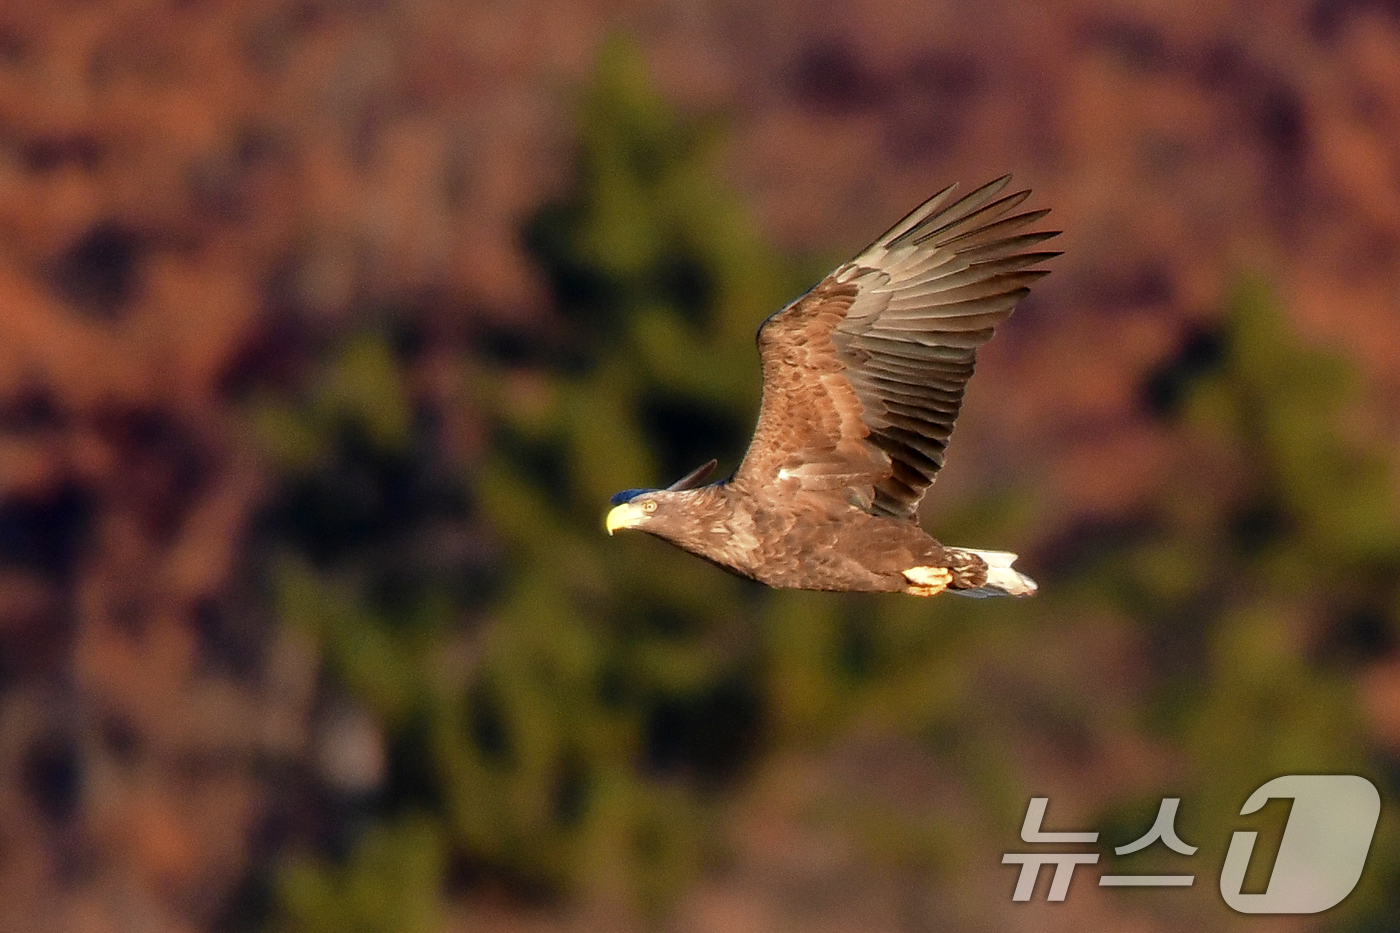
(863, 377)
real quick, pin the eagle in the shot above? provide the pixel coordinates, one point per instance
(863, 378)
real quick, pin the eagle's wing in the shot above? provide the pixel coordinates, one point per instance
(863, 376)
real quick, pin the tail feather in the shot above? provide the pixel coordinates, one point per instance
(1002, 578)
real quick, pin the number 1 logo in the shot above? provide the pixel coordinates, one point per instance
(1324, 845)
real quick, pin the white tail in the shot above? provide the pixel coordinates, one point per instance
(1002, 579)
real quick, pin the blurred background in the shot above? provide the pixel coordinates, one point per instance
(327, 327)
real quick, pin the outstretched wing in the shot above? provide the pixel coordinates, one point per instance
(863, 376)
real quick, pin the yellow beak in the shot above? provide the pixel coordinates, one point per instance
(625, 515)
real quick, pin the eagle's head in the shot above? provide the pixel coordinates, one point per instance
(699, 519)
(633, 508)
(688, 517)
(648, 510)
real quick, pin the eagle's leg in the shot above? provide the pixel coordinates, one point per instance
(927, 581)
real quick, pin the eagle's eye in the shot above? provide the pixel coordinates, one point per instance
(649, 506)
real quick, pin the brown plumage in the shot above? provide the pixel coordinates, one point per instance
(863, 378)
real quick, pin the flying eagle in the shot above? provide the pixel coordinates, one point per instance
(863, 377)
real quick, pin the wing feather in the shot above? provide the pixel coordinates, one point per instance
(864, 375)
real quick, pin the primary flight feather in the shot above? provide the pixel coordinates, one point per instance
(863, 377)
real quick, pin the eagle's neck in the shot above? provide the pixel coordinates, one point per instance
(712, 527)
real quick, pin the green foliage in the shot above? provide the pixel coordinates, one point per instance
(390, 885)
(1272, 565)
(616, 674)
(566, 725)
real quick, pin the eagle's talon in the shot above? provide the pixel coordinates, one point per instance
(927, 581)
